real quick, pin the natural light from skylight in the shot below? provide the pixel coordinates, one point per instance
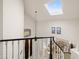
(54, 7)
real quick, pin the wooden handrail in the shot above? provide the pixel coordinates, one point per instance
(24, 39)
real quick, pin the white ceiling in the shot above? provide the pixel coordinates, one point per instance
(70, 8)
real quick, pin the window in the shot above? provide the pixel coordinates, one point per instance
(54, 7)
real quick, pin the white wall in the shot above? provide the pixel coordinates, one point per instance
(13, 26)
(1, 27)
(1, 19)
(13, 12)
(69, 29)
(29, 23)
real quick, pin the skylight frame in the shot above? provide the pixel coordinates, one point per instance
(54, 8)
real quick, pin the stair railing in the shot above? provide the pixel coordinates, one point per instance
(12, 45)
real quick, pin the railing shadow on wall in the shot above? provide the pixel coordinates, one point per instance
(52, 49)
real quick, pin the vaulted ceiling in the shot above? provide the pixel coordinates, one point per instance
(70, 9)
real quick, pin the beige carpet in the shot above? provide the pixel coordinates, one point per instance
(67, 56)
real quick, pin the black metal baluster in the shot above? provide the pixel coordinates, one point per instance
(50, 48)
(28, 48)
(23, 50)
(53, 50)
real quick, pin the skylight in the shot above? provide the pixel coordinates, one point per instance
(54, 7)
